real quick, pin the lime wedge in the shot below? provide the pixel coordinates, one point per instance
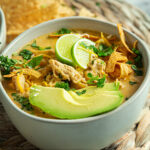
(80, 52)
(63, 48)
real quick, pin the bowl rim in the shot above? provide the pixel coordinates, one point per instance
(88, 119)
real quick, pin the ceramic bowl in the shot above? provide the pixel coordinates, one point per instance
(2, 30)
(91, 133)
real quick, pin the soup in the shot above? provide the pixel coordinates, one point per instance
(72, 74)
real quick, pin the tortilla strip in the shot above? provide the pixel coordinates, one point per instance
(122, 70)
(113, 59)
(91, 37)
(122, 38)
(135, 44)
(105, 40)
(27, 71)
(44, 52)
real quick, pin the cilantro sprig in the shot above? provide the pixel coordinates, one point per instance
(137, 71)
(35, 61)
(63, 31)
(26, 54)
(99, 82)
(101, 51)
(34, 45)
(23, 101)
(6, 64)
(64, 85)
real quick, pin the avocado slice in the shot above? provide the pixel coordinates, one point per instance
(68, 105)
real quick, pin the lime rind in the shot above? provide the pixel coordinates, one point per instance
(63, 48)
(81, 56)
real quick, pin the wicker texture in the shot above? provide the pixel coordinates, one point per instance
(116, 11)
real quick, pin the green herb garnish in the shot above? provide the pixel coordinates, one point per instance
(80, 93)
(63, 31)
(138, 59)
(35, 61)
(98, 4)
(102, 51)
(64, 85)
(129, 62)
(34, 45)
(23, 101)
(132, 82)
(137, 72)
(6, 64)
(26, 54)
(96, 80)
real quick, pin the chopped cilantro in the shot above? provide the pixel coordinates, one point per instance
(80, 93)
(137, 72)
(26, 54)
(96, 80)
(102, 51)
(6, 64)
(17, 67)
(35, 61)
(64, 85)
(73, 7)
(23, 101)
(34, 45)
(98, 4)
(138, 59)
(132, 82)
(129, 62)
(63, 31)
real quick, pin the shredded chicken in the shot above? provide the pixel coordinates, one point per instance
(67, 73)
(96, 67)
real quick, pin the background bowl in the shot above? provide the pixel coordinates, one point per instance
(2, 30)
(90, 133)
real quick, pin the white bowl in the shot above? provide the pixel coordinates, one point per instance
(90, 133)
(2, 30)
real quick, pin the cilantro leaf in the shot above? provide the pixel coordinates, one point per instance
(64, 85)
(98, 4)
(137, 72)
(132, 82)
(102, 51)
(63, 31)
(80, 93)
(138, 59)
(23, 101)
(26, 54)
(129, 62)
(6, 64)
(96, 80)
(35, 61)
(34, 45)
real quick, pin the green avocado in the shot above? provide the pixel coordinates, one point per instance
(69, 105)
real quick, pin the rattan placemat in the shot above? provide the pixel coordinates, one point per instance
(117, 11)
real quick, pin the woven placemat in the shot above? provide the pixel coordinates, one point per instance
(117, 11)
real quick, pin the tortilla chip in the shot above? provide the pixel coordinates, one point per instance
(113, 59)
(121, 70)
(135, 44)
(122, 38)
(105, 40)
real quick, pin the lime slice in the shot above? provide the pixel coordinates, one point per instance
(81, 54)
(63, 48)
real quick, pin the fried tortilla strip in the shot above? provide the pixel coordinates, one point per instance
(105, 40)
(122, 37)
(67, 73)
(122, 70)
(91, 37)
(26, 71)
(113, 59)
